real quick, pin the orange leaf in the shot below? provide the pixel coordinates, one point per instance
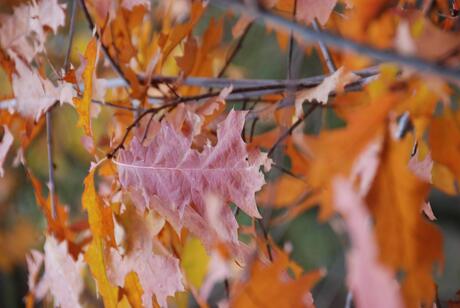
(272, 286)
(407, 242)
(334, 152)
(444, 141)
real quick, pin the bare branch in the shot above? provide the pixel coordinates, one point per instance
(324, 51)
(234, 51)
(289, 131)
(114, 63)
(49, 120)
(341, 43)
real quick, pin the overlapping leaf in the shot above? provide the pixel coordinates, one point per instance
(172, 178)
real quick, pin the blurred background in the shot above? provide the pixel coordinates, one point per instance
(314, 245)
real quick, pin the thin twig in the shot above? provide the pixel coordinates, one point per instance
(212, 82)
(341, 43)
(112, 105)
(289, 131)
(288, 172)
(267, 242)
(244, 89)
(234, 51)
(253, 128)
(91, 24)
(51, 181)
(349, 300)
(291, 46)
(134, 124)
(324, 50)
(49, 120)
(71, 35)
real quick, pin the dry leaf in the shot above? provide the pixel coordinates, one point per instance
(168, 175)
(335, 82)
(371, 283)
(406, 240)
(62, 275)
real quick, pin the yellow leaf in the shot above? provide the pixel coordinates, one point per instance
(94, 256)
(194, 262)
(133, 290)
(102, 228)
(99, 216)
(83, 105)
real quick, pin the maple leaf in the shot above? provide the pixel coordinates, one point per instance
(417, 35)
(284, 192)
(407, 241)
(320, 93)
(270, 285)
(158, 275)
(62, 275)
(23, 34)
(59, 227)
(34, 262)
(5, 145)
(169, 176)
(179, 32)
(35, 94)
(130, 4)
(371, 283)
(335, 152)
(444, 139)
(309, 10)
(422, 169)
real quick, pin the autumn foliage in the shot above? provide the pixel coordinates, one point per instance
(193, 165)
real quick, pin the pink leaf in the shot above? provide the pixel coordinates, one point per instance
(426, 208)
(159, 275)
(5, 146)
(23, 35)
(308, 10)
(34, 263)
(130, 4)
(62, 276)
(422, 168)
(371, 283)
(34, 95)
(169, 176)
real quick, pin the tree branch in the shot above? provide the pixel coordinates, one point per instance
(234, 51)
(341, 43)
(49, 120)
(114, 63)
(289, 131)
(324, 50)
